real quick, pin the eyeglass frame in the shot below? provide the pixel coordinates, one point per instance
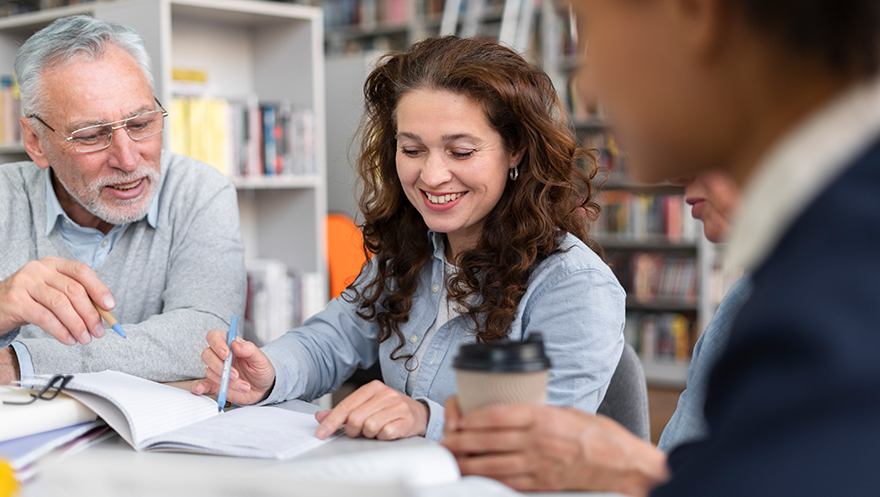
(45, 393)
(124, 124)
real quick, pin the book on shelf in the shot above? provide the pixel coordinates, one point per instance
(638, 216)
(660, 336)
(10, 111)
(245, 138)
(278, 299)
(365, 14)
(657, 278)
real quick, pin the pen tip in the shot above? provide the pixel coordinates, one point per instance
(118, 329)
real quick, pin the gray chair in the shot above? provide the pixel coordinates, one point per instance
(627, 398)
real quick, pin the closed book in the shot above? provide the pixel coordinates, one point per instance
(43, 415)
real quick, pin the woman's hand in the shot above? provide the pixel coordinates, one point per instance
(543, 448)
(375, 410)
(251, 376)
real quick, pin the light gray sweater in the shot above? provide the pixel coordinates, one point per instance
(172, 284)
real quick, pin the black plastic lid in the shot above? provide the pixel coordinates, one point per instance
(504, 356)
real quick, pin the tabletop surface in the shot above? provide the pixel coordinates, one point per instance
(113, 466)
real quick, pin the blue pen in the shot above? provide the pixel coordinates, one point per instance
(227, 364)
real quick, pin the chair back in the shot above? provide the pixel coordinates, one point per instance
(627, 398)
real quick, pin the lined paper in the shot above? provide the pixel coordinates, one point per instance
(150, 408)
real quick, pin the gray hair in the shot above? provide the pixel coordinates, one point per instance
(65, 39)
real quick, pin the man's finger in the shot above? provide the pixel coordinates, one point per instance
(453, 414)
(87, 277)
(37, 314)
(58, 304)
(487, 441)
(516, 416)
(495, 465)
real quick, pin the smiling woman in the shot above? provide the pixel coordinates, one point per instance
(475, 205)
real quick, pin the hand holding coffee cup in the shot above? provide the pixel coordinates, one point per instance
(502, 372)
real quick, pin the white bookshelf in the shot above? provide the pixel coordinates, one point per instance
(272, 50)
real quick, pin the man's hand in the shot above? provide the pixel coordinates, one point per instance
(376, 410)
(9, 370)
(56, 295)
(543, 448)
(251, 376)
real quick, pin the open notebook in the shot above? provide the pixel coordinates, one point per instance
(153, 416)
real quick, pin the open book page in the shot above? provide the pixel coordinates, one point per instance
(265, 432)
(148, 409)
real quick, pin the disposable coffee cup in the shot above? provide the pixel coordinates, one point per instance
(502, 373)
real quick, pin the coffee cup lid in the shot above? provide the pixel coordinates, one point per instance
(504, 356)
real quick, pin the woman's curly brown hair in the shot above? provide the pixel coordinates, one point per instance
(553, 194)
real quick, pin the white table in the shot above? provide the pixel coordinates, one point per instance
(113, 468)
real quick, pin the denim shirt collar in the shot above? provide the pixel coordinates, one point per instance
(54, 210)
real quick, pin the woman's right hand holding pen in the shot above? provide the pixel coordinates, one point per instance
(252, 373)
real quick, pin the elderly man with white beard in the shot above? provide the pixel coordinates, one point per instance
(103, 217)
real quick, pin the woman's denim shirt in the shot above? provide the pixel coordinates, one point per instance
(572, 298)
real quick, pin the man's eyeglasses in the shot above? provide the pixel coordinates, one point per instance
(100, 136)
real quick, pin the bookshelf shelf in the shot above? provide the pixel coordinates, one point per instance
(666, 373)
(660, 305)
(12, 149)
(657, 242)
(593, 123)
(277, 183)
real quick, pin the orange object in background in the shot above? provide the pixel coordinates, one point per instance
(345, 252)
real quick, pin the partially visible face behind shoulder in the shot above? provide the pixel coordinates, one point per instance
(713, 197)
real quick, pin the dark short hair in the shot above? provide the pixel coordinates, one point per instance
(845, 33)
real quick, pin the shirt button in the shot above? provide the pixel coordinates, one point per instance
(413, 339)
(435, 288)
(68, 222)
(104, 243)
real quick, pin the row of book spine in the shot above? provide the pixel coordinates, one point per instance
(245, 138)
(278, 299)
(365, 14)
(10, 111)
(641, 216)
(657, 278)
(661, 336)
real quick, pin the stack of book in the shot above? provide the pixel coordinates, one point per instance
(657, 278)
(49, 426)
(245, 138)
(660, 337)
(643, 216)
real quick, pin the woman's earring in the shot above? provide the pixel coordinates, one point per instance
(513, 173)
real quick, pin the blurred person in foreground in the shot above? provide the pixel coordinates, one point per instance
(784, 96)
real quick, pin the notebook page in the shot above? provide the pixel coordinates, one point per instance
(150, 408)
(264, 432)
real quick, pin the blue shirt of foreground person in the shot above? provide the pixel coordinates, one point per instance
(783, 95)
(713, 197)
(474, 202)
(103, 215)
